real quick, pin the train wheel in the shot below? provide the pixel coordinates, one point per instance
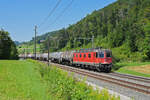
(108, 69)
(101, 68)
(76, 65)
(86, 66)
(73, 65)
(98, 69)
(89, 67)
(82, 66)
(92, 68)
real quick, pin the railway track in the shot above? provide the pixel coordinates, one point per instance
(136, 78)
(110, 78)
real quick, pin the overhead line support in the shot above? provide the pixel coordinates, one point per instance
(48, 49)
(35, 42)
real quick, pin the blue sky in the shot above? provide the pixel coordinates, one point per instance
(18, 17)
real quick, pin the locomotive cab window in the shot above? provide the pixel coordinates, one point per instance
(101, 55)
(96, 54)
(108, 54)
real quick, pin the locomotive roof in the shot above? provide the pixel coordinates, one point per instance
(92, 50)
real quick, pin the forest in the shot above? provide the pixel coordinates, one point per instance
(123, 27)
(8, 48)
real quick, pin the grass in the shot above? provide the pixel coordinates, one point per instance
(130, 68)
(31, 80)
(20, 81)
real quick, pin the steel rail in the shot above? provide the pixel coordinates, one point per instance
(137, 78)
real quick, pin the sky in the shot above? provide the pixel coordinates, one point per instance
(19, 17)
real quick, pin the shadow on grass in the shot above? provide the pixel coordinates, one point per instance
(117, 66)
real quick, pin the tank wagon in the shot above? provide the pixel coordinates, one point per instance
(55, 57)
(44, 56)
(67, 57)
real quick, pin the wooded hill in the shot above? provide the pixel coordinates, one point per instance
(123, 27)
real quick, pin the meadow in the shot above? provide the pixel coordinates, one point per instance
(133, 68)
(32, 80)
(20, 81)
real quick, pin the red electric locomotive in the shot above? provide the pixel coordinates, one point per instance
(99, 59)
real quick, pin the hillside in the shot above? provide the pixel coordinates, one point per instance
(29, 46)
(123, 26)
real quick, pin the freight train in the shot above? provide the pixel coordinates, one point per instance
(95, 58)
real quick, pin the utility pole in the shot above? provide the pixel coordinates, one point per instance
(74, 43)
(27, 50)
(24, 53)
(35, 42)
(80, 38)
(48, 49)
(93, 41)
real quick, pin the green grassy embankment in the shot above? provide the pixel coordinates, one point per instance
(65, 87)
(31, 80)
(134, 68)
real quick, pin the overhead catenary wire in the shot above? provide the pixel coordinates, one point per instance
(65, 9)
(61, 14)
(52, 11)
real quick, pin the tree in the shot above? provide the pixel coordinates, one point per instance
(147, 33)
(147, 41)
(7, 46)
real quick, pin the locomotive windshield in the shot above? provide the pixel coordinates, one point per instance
(108, 54)
(101, 55)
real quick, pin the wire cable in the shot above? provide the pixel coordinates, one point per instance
(52, 11)
(61, 14)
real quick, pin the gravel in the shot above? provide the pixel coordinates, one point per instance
(122, 97)
(124, 93)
